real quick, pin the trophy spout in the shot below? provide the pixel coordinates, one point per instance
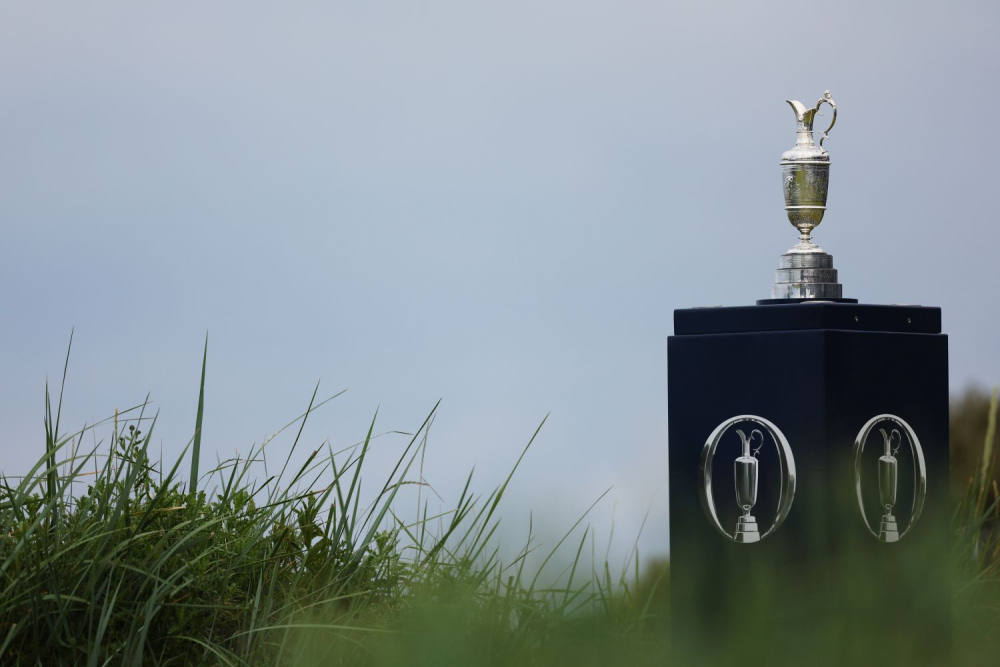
(746, 442)
(803, 115)
(887, 446)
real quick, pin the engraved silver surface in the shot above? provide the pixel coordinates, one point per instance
(806, 291)
(805, 276)
(810, 261)
(806, 271)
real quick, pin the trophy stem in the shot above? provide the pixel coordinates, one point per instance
(805, 244)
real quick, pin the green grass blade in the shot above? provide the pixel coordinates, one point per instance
(196, 449)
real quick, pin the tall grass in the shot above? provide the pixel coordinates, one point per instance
(110, 557)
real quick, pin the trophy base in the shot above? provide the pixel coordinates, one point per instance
(887, 531)
(746, 530)
(779, 302)
(805, 276)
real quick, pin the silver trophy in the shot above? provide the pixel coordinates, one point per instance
(806, 271)
(887, 473)
(745, 474)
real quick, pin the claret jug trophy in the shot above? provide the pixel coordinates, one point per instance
(806, 271)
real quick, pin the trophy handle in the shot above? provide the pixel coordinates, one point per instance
(827, 99)
(757, 432)
(889, 438)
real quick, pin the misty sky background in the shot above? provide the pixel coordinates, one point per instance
(499, 205)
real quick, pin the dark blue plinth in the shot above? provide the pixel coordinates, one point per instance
(823, 579)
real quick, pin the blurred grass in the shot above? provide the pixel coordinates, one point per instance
(248, 565)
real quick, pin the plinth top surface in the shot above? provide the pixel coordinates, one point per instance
(805, 316)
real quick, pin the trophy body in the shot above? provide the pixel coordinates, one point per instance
(806, 184)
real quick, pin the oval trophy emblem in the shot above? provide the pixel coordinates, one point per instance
(759, 485)
(882, 475)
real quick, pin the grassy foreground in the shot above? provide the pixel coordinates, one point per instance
(108, 556)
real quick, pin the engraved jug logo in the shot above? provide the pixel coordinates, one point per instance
(757, 474)
(892, 475)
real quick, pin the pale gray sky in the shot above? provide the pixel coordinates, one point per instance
(499, 204)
